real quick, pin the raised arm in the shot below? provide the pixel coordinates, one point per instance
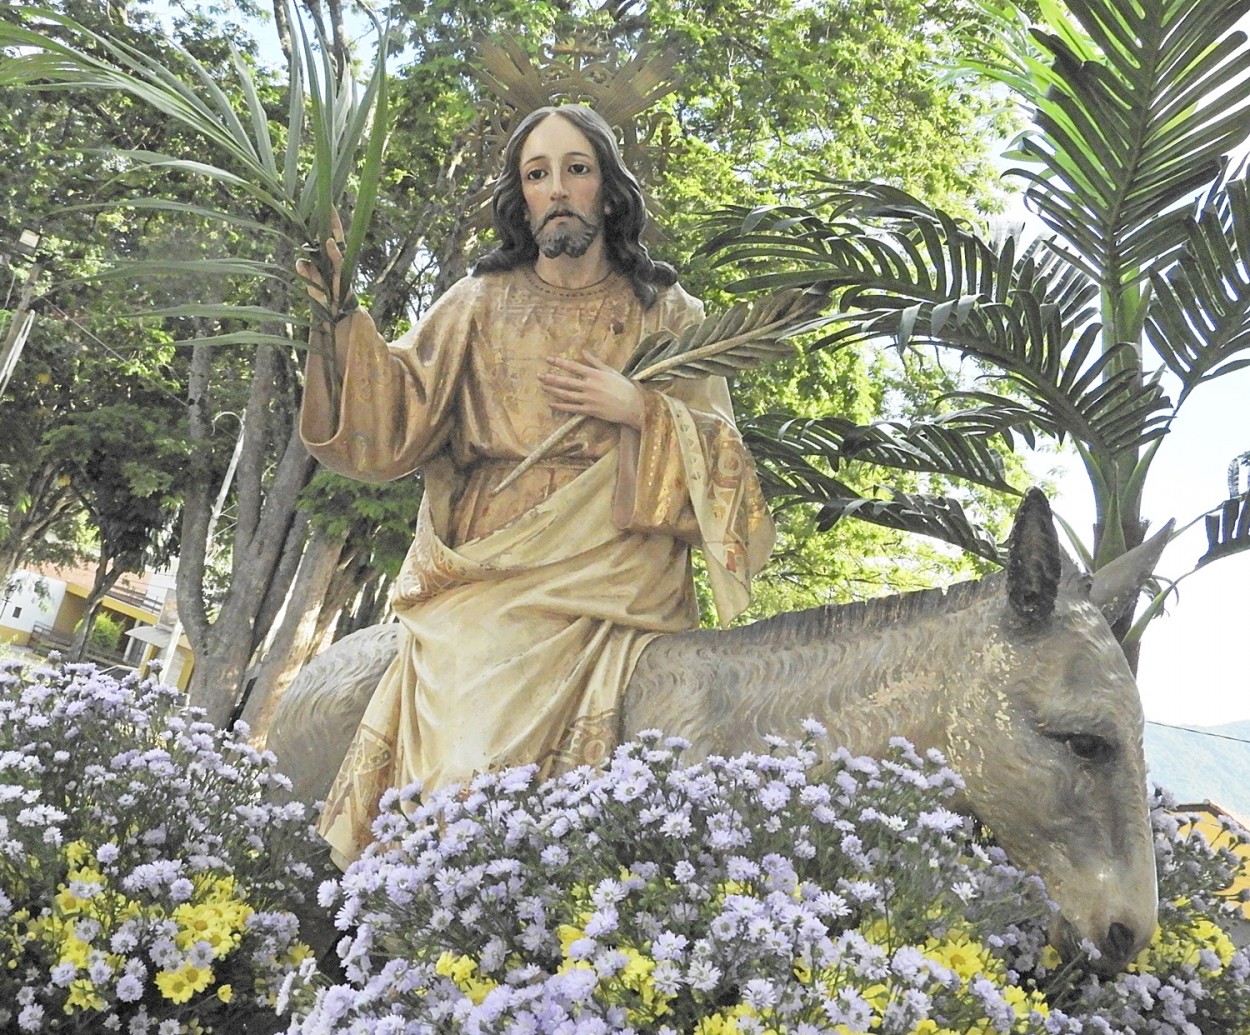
(374, 411)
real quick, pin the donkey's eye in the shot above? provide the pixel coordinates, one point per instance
(1089, 747)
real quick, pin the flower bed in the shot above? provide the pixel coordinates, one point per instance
(744, 896)
(148, 877)
(150, 882)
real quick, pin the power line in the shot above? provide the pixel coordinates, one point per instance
(152, 382)
(1201, 733)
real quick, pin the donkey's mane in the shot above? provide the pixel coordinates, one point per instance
(843, 620)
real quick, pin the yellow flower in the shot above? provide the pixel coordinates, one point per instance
(77, 852)
(568, 934)
(477, 988)
(637, 971)
(963, 954)
(878, 932)
(930, 1027)
(461, 970)
(180, 985)
(83, 996)
(458, 968)
(74, 950)
(219, 923)
(876, 996)
(1182, 945)
(1024, 1003)
(298, 953)
(66, 903)
(225, 993)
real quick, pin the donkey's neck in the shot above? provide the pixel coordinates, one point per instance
(895, 681)
(868, 672)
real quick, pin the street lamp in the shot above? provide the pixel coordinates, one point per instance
(28, 242)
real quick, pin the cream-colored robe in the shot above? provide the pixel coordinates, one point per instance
(525, 612)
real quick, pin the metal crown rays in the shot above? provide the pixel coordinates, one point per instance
(581, 70)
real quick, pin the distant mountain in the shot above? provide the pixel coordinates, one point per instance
(1204, 763)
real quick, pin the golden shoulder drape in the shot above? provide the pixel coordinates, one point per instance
(525, 612)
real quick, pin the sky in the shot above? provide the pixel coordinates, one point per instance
(1195, 662)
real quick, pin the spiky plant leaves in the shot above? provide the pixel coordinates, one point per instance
(789, 478)
(53, 51)
(1134, 106)
(1199, 322)
(743, 337)
(962, 444)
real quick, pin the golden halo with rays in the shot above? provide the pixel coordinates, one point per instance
(580, 70)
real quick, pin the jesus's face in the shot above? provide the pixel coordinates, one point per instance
(562, 184)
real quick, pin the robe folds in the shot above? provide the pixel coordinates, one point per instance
(525, 611)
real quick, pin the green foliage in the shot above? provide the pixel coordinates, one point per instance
(235, 146)
(378, 519)
(1137, 288)
(764, 99)
(106, 633)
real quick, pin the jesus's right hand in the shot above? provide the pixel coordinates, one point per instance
(312, 274)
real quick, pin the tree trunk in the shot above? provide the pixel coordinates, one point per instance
(269, 534)
(106, 576)
(28, 524)
(295, 636)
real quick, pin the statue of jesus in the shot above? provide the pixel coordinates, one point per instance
(524, 611)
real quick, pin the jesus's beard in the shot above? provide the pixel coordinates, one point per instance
(572, 237)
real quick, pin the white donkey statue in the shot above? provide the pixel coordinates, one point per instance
(1016, 679)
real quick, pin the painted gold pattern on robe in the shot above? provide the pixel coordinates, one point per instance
(525, 612)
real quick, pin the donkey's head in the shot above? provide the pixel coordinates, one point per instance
(1051, 747)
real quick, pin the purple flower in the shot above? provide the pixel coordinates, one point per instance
(702, 975)
(63, 973)
(129, 989)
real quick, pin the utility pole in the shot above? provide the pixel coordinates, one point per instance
(19, 328)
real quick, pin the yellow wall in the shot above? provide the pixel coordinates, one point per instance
(1208, 825)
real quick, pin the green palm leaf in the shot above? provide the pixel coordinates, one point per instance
(917, 276)
(743, 337)
(789, 478)
(182, 208)
(1133, 107)
(52, 51)
(1199, 322)
(959, 444)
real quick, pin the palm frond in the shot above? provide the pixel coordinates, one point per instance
(1133, 107)
(131, 270)
(238, 220)
(914, 275)
(961, 445)
(52, 51)
(793, 480)
(742, 338)
(1199, 322)
(222, 311)
(251, 338)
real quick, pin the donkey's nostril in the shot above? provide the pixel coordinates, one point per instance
(1120, 942)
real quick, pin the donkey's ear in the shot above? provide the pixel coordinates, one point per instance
(1033, 561)
(1116, 585)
